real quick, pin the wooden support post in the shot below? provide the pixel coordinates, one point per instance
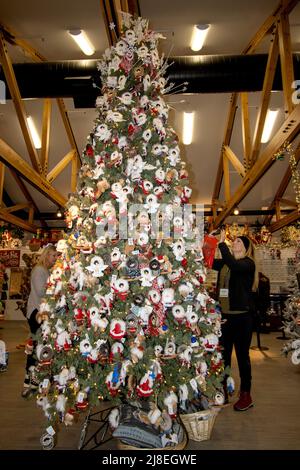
(12, 219)
(289, 202)
(226, 177)
(282, 187)
(2, 173)
(30, 215)
(226, 141)
(265, 99)
(287, 132)
(111, 10)
(277, 210)
(74, 174)
(246, 130)
(53, 174)
(234, 160)
(46, 135)
(284, 221)
(14, 161)
(69, 130)
(286, 60)
(17, 207)
(20, 109)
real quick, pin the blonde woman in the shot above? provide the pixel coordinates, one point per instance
(236, 284)
(38, 281)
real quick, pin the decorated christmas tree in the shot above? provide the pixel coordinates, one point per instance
(126, 314)
(292, 316)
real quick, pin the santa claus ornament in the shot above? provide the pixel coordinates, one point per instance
(117, 329)
(120, 288)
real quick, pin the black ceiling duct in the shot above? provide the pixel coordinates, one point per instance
(81, 80)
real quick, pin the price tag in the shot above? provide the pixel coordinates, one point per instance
(130, 241)
(45, 383)
(194, 385)
(223, 292)
(50, 431)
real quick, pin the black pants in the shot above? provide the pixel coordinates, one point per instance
(34, 326)
(237, 332)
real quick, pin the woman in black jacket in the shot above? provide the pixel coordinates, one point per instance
(235, 286)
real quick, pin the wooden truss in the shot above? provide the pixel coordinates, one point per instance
(37, 174)
(111, 11)
(256, 163)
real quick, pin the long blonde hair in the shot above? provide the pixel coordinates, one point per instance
(42, 261)
(250, 253)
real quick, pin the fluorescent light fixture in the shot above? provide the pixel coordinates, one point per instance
(199, 34)
(269, 124)
(82, 41)
(188, 127)
(34, 133)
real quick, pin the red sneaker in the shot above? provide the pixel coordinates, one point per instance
(244, 402)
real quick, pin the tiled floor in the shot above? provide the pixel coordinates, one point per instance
(273, 423)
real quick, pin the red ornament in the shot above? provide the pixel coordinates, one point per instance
(184, 262)
(82, 406)
(89, 151)
(131, 129)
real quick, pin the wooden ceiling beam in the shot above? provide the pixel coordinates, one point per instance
(237, 165)
(2, 174)
(14, 161)
(27, 195)
(286, 61)
(12, 219)
(46, 135)
(284, 221)
(277, 210)
(24, 189)
(74, 172)
(265, 97)
(30, 215)
(288, 202)
(17, 207)
(68, 127)
(282, 187)
(61, 165)
(284, 7)
(226, 177)
(226, 141)
(246, 130)
(287, 132)
(12, 37)
(18, 103)
(111, 12)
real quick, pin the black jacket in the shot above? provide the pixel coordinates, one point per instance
(241, 278)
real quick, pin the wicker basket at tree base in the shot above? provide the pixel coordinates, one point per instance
(199, 425)
(180, 446)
